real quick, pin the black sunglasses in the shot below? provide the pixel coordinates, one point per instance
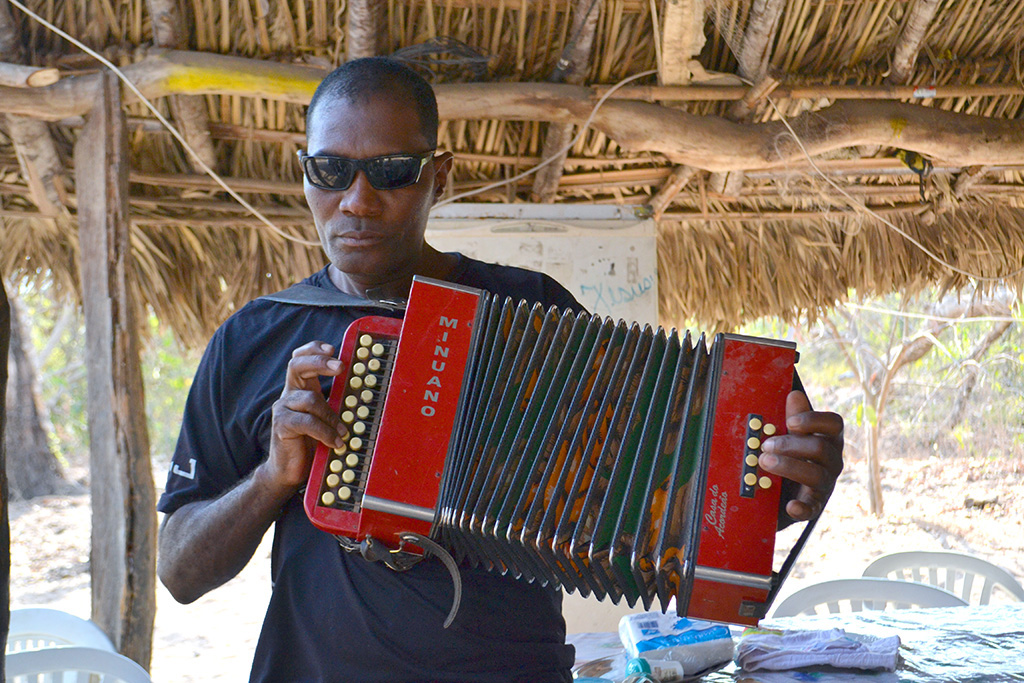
(388, 172)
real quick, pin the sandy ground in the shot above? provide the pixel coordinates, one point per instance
(213, 639)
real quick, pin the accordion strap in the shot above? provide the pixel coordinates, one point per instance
(400, 560)
(432, 548)
(308, 295)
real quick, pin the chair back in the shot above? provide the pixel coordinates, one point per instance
(856, 595)
(972, 578)
(34, 628)
(73, 665)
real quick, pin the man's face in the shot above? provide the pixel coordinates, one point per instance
(373, 236)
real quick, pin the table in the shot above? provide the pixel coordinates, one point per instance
(981, 644)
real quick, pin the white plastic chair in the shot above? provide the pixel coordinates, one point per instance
(856, 595)
(34, 628)
(972, 578)
(73, 665)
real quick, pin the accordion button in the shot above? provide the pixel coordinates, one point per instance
(351, 401)
(367, 396)
(752, 459)
(359, 369)
(352, 460)
(753, 443)
(359, 428)
(348, 417)
(362, 353)
(765, 482)
(327, 498)
(348, 476)
(365, 340)
(374, 364)
(356, 382)
(754, 424)
(749, 478)
(362, 412)
(341, 450)
(337, 465)
(371, 381)
(333, 480)
(377, 349)
(344, 493)
(769, 429)
(355, 443)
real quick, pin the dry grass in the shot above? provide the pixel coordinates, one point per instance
(786, 243)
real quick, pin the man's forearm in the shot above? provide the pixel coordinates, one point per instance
(205, 544)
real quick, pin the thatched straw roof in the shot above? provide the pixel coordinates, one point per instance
(748, 226)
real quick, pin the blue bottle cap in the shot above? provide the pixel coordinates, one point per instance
(638, 665)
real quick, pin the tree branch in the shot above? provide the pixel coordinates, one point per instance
(705, 142)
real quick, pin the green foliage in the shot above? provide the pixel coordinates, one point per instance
(923, 393)
(57, 331)
(167, 372)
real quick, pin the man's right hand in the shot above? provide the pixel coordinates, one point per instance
(205, 543)
(301, 416)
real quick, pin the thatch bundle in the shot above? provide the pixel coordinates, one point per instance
(763, 239)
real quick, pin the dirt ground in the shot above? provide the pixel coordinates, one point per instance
(931, 502)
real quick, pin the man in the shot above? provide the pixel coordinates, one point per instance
(257, 410)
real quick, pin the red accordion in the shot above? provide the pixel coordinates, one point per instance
(564, 448)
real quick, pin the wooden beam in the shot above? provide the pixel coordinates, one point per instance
(682, 37)
(175, 72)
(755, 52)
(572, 68)
(676, 181)
(170, 72)
(363, 25)
(753, 60)
(33, 143)
(5, 527)
(915, 28)
(205, 182)
(816, 216)
(706, 142)
(40, 163)
(188, 111)
(715, 144)
(720, 93)
(968, 181)
(546, 180)
(123, 554)
(10, 33)
(19, 76)
(908, 46)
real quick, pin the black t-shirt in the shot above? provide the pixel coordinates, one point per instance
(334, 616)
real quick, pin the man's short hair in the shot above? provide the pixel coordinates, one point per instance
(363, 78)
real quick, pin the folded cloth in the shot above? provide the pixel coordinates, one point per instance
(761, 649)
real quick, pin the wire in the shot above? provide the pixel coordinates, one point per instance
(556, 155)
(935, 318)
(167, 124)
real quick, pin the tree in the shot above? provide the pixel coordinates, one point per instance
(877, 350)
(32, 468)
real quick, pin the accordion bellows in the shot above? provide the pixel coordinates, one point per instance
(610, 459)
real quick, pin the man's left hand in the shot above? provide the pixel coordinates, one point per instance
(811, 455)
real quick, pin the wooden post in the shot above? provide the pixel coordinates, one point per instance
(572, 67)
(189, 111)
(5, 529)
(123, 555)
(365, 20)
